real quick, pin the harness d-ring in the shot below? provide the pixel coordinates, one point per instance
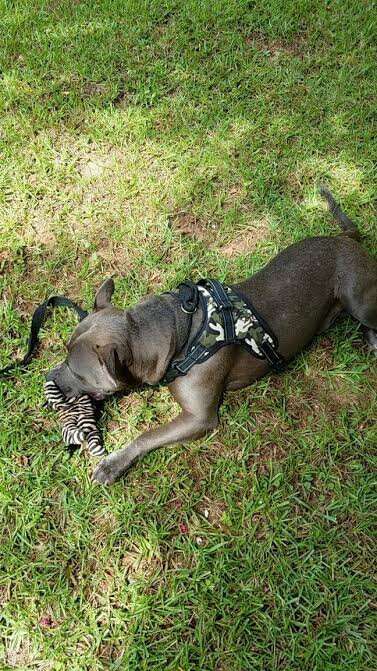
(188, 312)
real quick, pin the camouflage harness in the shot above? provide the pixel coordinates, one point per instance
(228, 319)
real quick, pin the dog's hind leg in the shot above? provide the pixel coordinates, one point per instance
(357, 288)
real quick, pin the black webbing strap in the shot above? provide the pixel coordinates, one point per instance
(196, 355)
(276, 361)
(38, 319)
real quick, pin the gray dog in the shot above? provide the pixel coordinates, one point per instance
(299, 293)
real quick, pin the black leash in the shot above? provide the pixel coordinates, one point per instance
(38, 319)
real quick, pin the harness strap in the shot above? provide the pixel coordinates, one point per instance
(275, 359)
(196, 352)
(189, 296)
(38, 319)
(225, 306)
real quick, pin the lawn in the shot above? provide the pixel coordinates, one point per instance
(152, 141)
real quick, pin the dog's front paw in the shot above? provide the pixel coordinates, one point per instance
(107, 471)
(372, 341)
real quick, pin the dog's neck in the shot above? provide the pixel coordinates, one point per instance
(157, 332)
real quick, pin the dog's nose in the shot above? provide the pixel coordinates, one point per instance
(98, 396)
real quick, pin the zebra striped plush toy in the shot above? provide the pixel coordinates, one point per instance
(77, 417)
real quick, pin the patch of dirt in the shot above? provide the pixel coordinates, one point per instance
(174, 504)
(267, 419)
(155, 279)
(109, 653)
(165, 23)
(7, 260)
(271, 451)
(122, 98)
(235, 193)
(177, 559)
(199, 464)
(259, 461)
(188, 224)
(261, 42)
(247, 241)
(110, 256)
(18, 652)
(94, 89)
(93, 168)
(332, 394)
(162, 124)
(23, 460)
(317, 398)
(260, 524)
(136, 566)
(104, 523)
(5, 594)
(213, 510)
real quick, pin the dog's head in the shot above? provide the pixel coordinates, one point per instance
(97, 352)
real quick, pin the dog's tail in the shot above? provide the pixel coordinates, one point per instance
(348, 227)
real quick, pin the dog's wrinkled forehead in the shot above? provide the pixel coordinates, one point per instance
(96, 328)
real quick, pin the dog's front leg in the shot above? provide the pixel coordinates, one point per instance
(184, 427)
(198, 394)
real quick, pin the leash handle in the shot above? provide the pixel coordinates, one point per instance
(38, 319)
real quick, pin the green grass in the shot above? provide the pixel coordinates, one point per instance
(123, 124)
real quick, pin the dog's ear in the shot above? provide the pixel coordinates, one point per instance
(103, 295)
